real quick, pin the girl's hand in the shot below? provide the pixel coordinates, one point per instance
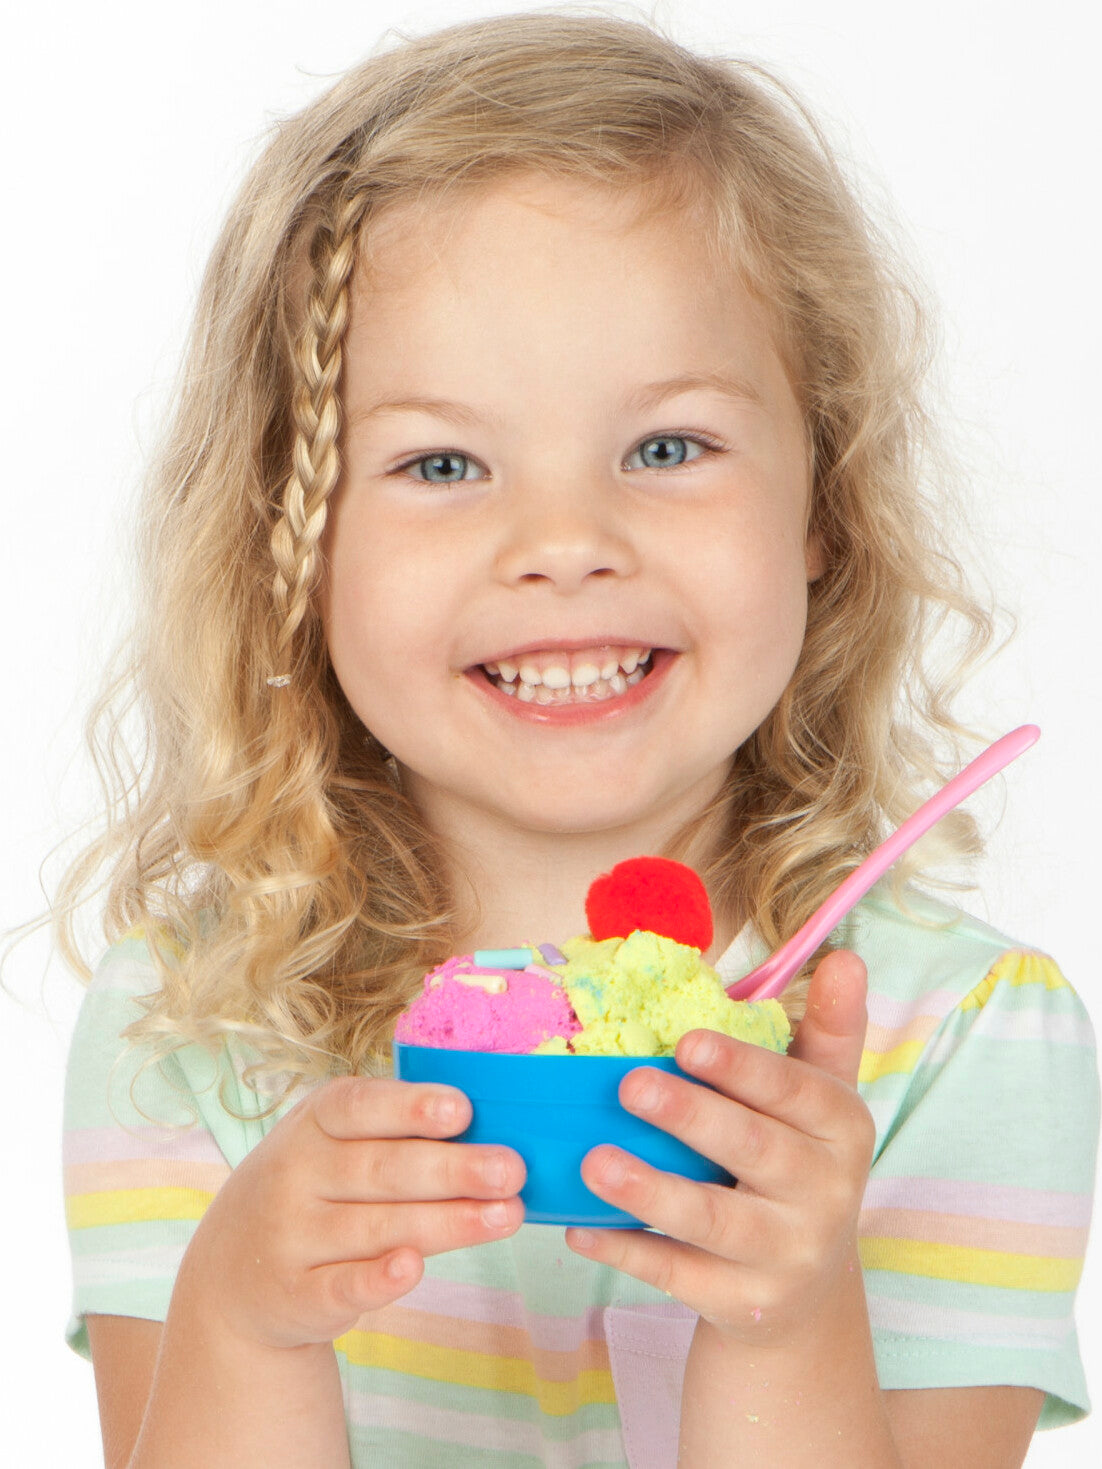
(761, 1258)
(331, 1214)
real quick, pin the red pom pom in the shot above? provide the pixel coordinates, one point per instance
(651, 893)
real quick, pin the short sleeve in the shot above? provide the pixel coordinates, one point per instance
(976, 1215)
(141, 1162)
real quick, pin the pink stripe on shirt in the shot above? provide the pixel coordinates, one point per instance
(984, 1200)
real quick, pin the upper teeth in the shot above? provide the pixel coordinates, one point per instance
(567, 670)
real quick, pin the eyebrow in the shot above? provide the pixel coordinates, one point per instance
(641, 401)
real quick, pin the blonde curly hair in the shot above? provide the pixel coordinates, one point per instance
(288, 890)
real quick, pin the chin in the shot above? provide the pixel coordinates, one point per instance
(577, 811)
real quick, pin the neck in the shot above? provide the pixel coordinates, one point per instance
(514, 886)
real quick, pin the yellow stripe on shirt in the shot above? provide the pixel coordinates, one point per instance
(969, 1265)
(901, 1058)
(1016, 969)
(476, 1369)
(135, 1206)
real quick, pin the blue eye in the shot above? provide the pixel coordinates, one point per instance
(660, 451)
(443, 467)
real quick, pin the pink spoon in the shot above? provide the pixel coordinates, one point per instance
(769, 979)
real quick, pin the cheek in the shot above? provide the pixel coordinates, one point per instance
(753, 579)
(392, 607)
(384, 554)
(362, 596)
(753, 556)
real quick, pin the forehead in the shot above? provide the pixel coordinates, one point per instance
(640, 266)
(408, 238)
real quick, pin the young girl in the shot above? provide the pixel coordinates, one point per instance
(534, 344)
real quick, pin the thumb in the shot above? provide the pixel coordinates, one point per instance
(832, 1033)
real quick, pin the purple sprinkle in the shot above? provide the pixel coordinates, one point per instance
(551, 955)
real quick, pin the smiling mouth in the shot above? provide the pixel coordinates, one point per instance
(591, 676)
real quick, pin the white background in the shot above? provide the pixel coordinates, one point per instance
(125, 128)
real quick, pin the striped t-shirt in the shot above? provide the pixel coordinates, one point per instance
(979, 1069)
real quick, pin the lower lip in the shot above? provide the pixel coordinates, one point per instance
(569, 715)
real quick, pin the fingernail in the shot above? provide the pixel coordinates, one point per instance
(445, 1108)
(702, 1052)
(585, 1239)
(494, 1170)
(647, 1097)
(495, 1214)
(613, 1168)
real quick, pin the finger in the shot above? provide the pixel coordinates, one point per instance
(384, 1170)
(785, 1088)
(832, 1033)
(669, 1265)
(344, 1232)
(373, 1107)
(729, 1223)
(368, 1285)
(766, 1155)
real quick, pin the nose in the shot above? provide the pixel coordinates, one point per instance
(564, 537)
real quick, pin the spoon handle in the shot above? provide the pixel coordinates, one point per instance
(769, 979)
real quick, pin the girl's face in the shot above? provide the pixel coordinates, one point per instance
(568, 442)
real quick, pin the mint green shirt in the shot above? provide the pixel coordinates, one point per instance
(979, 1069)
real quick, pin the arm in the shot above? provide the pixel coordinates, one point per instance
(186, 1393)
(782, 1354)
(328, 1218)
(985, 1427)
(797, 1144)
(257, 1268)
(809, 1401)
(807, 1394)
(843, 1418)
(124, 1351)
(132, 1186)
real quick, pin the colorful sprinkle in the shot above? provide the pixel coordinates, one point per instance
(503, 958)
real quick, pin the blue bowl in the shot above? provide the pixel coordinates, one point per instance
(553, 1110)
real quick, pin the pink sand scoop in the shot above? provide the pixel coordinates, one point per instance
(769, 979)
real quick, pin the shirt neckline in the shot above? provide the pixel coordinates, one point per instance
(745, 952)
